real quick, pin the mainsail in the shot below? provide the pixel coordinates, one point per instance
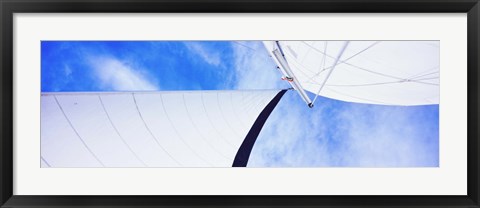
(151, 129)
(374, 72)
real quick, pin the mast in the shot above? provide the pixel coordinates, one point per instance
(286, 71)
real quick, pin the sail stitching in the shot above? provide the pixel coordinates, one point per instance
(224, 118)
(253, 102)
(211, 123)
(118, 133)
(358, 97)
(179, 136)
(78, 135)
(260, 103)
(372, 84)
(236, 112)
(199, 132)
(45, 161)
(151, 133)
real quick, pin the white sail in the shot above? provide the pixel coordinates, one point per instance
(147, 129)
(374, 72)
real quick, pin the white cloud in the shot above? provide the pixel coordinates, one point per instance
(209, 56)
(254, 68)
(113, 74)
(391, 137)
(67, 71)
(350, 136)
(289, 139)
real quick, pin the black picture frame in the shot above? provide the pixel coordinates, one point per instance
(9, 7)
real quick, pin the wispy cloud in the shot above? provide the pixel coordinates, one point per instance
(347, 135)
(113, 74)
(254, 68)
(389, 136)
(67, 71)
(211, 57)
(290, 139)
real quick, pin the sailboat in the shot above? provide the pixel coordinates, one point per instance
(219, 128)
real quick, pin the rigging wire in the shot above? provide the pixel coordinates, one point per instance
(331, 70)
(341, 61)
(424, 73)
(246, 46)
(323, 68)
(361, 68)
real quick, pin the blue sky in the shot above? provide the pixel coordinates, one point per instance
(332, 134)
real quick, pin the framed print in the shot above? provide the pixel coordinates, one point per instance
(267, 103)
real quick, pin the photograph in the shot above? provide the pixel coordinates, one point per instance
(239, 103)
